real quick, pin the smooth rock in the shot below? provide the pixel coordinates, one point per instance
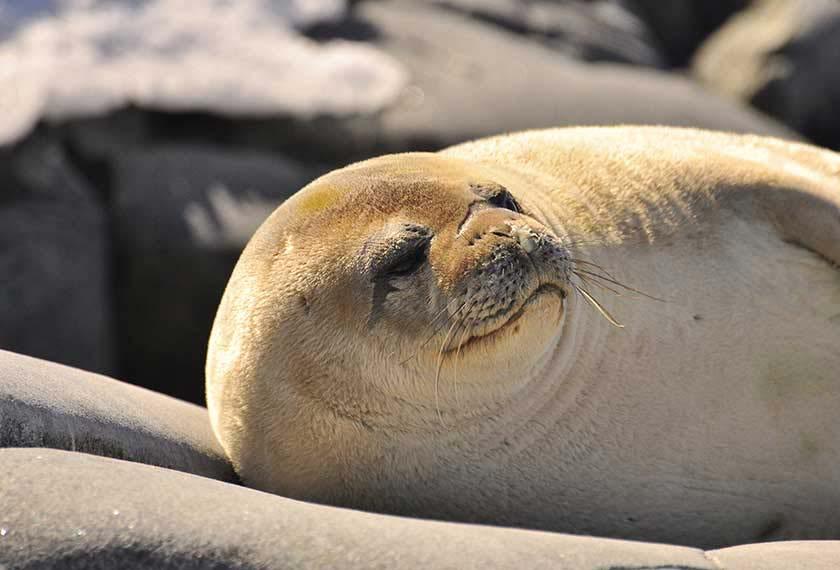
(43, 404)
(783, 57)
(182, 215)
(470, 79)
(55, 301)
(70, 510)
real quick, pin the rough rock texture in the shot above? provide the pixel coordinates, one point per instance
(69, 510)
(782, 56)
(54, 297)
(43, 404)
(182, 215)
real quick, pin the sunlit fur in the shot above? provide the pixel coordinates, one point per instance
(677, 378)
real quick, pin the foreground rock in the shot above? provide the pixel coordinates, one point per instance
(70, 510)
(781, 56)
(43, 404)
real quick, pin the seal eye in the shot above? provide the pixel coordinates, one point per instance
(408, 260)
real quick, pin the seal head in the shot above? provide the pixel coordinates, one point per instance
(407, 291)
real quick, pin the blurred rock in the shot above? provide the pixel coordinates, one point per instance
(55, 295)
(65, 59)
(783, 56)
(680, 26)
(43, 404)
(471, 80)
(182, 215)
(70, 510)
(600, 30)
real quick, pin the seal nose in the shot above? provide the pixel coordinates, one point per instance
(526, 238)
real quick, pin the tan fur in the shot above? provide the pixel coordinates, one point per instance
(709, 419)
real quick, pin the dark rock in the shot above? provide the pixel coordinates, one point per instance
(680, 26)
(182, 215)
(70, 510)
(43, 404)
(600, 30)
(783, 57)
(54, 298)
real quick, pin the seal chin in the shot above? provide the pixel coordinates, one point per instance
(493, 329)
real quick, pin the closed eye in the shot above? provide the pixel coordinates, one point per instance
(409, 260)
(505, 200)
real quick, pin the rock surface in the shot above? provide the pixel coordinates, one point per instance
(54, 259)
(680, 26)
(43, 404)
(63, 59)
(69, 510)
(600, 30)
(182, 214)
(471, 79)
(782, 56)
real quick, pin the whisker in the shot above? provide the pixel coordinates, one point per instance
(437, 371)
(437, 330)
(457, 361)
(597, 284)
(594, 302)
(618, 283)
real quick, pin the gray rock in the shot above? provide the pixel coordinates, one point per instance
(783, 57)
(600, 30)
(470, 80)
(70, 510)
(680, 26)
(43, 404)
(183, 213)
(54, 297)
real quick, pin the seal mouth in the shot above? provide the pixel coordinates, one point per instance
(503, 324)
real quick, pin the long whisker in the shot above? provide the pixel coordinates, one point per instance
(594, 302)
(617, 283)
(591, 282)
(466, 330)
(436, 331)
(438, 369)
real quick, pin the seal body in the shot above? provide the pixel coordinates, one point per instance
(629, 332)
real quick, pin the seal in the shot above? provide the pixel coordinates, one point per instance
(625, 331)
